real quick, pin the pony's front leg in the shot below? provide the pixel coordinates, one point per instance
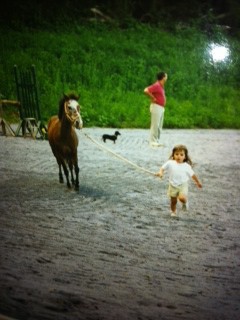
(65, 169)
(60, 170)
(77, 177)
(70, 165)
(60, 174)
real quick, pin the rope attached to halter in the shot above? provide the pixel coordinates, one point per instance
(118, 156)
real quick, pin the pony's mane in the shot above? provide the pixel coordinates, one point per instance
(66, 97)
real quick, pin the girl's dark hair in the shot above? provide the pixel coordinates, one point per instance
(181, 147)
(161, 75)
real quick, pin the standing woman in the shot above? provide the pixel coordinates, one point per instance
(158, 101)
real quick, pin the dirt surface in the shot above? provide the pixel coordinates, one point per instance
(111, 250)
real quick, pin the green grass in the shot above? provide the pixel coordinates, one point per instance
(109, 67)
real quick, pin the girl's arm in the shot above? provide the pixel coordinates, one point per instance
(160, 173)
(198, 183)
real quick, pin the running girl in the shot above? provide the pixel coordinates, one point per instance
(179, 167)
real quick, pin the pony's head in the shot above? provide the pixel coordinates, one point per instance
(70, 108)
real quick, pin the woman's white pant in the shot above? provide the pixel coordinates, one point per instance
(157, 116)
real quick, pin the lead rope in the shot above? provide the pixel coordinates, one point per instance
(118, 156)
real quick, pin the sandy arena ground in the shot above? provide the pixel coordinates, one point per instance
(111, 251)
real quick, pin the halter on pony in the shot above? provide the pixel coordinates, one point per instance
(72, 112)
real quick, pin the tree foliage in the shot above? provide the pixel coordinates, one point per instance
(32, 13)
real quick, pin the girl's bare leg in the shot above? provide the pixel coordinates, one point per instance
(173, 204)
(182, 198)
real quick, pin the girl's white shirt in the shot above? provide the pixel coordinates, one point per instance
(179, 173)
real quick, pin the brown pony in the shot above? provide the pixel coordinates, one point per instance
(63, 138)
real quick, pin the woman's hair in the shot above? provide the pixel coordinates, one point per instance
(161, 75)
(181, 147)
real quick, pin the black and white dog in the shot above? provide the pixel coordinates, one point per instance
(111, 137)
